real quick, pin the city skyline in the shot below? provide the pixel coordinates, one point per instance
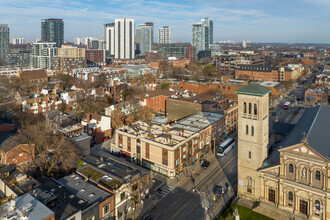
(256, 20)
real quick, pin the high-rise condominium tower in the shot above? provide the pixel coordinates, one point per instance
(144, 37)
(165, 35)
(202, 34)
(52, 30)
(4, 40)
(124, 38)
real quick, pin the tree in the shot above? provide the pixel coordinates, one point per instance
(53, 153)
(117, 118)
(209, 70)
(144, 112)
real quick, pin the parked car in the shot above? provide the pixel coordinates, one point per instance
(204, 163)
(273, 113)
(218, 190)
(146, 217)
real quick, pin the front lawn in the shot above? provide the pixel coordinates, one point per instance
(244, 214)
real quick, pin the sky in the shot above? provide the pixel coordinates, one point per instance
(285, 21)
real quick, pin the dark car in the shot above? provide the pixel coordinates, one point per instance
(146, 217)
(204, 163)
(218, 190)
(273, 113)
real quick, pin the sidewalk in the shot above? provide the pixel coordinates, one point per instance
(187, 172)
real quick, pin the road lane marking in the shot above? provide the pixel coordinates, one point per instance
(178, 212)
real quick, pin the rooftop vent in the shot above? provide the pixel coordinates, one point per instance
(71, 196)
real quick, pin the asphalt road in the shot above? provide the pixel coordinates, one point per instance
(183, 203)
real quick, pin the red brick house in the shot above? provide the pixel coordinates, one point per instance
(11, 152)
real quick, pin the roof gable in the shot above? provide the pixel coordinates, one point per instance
(303, 149)
(253, 89)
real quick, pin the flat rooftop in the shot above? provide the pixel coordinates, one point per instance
(171, 135)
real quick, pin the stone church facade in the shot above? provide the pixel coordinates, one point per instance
(296, 176)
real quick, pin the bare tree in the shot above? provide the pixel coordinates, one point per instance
(117, 118)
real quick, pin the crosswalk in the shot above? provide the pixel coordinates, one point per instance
(164, 190)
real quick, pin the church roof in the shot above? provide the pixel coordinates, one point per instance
(314, 127)
(253, 89)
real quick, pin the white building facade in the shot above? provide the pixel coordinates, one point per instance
(165, 35)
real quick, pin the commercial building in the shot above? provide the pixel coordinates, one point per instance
(294, 176)
(52, 30)
(177, 50)
(144, 38)
(167, 149)
(165, 35)
(42, 55)
(202, 35)
(124, 38)
(4, 40)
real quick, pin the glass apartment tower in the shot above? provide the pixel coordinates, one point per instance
(52, 30)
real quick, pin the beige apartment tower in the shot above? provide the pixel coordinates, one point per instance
(253, 128)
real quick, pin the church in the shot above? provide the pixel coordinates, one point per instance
(295, 176)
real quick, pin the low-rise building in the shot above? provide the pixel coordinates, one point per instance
(316, 96)
(98, 126)
(155, 99)
(129, 186)
(33, 76)
(11, 151)
(82, 198)
(14, 182)
(26, 207)
(167, 149)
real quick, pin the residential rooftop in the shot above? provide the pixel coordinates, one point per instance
(16, 180)
(15, 208)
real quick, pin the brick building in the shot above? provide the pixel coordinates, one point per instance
(227, 63)
(94, 57)
(155, 99)
(67, 64)
(12, 152)
(316, 96)
(33, 76)
(167, 149)
(268, 73)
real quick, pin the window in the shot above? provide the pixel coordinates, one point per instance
(317, 207)
(106, 209)
(249, 185)
(184, 157)
(252, 130)
(244, 107)
(122, 196)
(250, 155)
(290, 168)
(177, 162)
(165, 162)
(184, 149)
(255, 109)
(304, 173)
(318, 175)
(246, 129)
(290, 196)
(250, 108)
(135, 187)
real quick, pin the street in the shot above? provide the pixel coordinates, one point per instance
(183, 203)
